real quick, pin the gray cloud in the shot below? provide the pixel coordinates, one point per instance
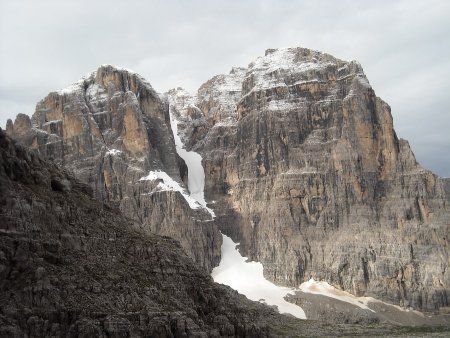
(403, 46)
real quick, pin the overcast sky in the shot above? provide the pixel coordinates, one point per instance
(403, 46)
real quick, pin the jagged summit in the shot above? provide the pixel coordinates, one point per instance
(96, 77)
(112, 129)
(295, 66)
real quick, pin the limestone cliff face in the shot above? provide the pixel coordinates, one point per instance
(310, 177)
(111, 129)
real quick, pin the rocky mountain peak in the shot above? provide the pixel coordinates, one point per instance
(217, 97)
(284, 68)
(113, 130)
(310, 178)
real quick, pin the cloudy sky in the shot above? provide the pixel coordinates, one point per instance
(404, 47)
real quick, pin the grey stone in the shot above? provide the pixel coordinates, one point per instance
(311, 179)
(110, 129)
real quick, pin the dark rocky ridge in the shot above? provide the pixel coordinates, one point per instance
(310, 177)
(111, 129)
(72, 267)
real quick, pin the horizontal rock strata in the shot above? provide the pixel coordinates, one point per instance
(309, 176)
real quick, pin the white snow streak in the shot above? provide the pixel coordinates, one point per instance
(248, 279)
(77, 86)
(196, 173)
(169, 184)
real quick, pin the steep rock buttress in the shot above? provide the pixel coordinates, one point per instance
(309, 176)
(111, 129)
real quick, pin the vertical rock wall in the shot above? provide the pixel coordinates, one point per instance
(111, 129)
(310, 177)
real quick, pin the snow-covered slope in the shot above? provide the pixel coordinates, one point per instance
(248, 279)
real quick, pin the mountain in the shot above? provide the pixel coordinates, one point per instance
(310, 178)
(111, 129)
(302, 167)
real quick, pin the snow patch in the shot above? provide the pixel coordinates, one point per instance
(248, 279)
(77, 86)
(224, 91)
(113, 152)
(325, 289)
(266, 70)
(169, 184)
(105, 65)
(50, 122)
(283, 105)
(227, 122)
(301, 171)
(96, 93)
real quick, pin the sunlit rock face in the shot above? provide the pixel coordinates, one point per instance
(309, 176)
(111, 129)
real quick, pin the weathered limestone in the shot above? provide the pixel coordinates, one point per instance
(111, 129)
(310, 177)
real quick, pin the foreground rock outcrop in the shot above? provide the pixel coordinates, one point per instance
(309, 176)
(72, 267)
(111, 129)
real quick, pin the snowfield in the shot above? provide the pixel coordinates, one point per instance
(248, 279)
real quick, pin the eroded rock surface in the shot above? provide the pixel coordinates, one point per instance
(309, 176)
(111, 129)
(72, 267)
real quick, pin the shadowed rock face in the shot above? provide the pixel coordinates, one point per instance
(111, 129)
(310, 177)
(72, 267)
